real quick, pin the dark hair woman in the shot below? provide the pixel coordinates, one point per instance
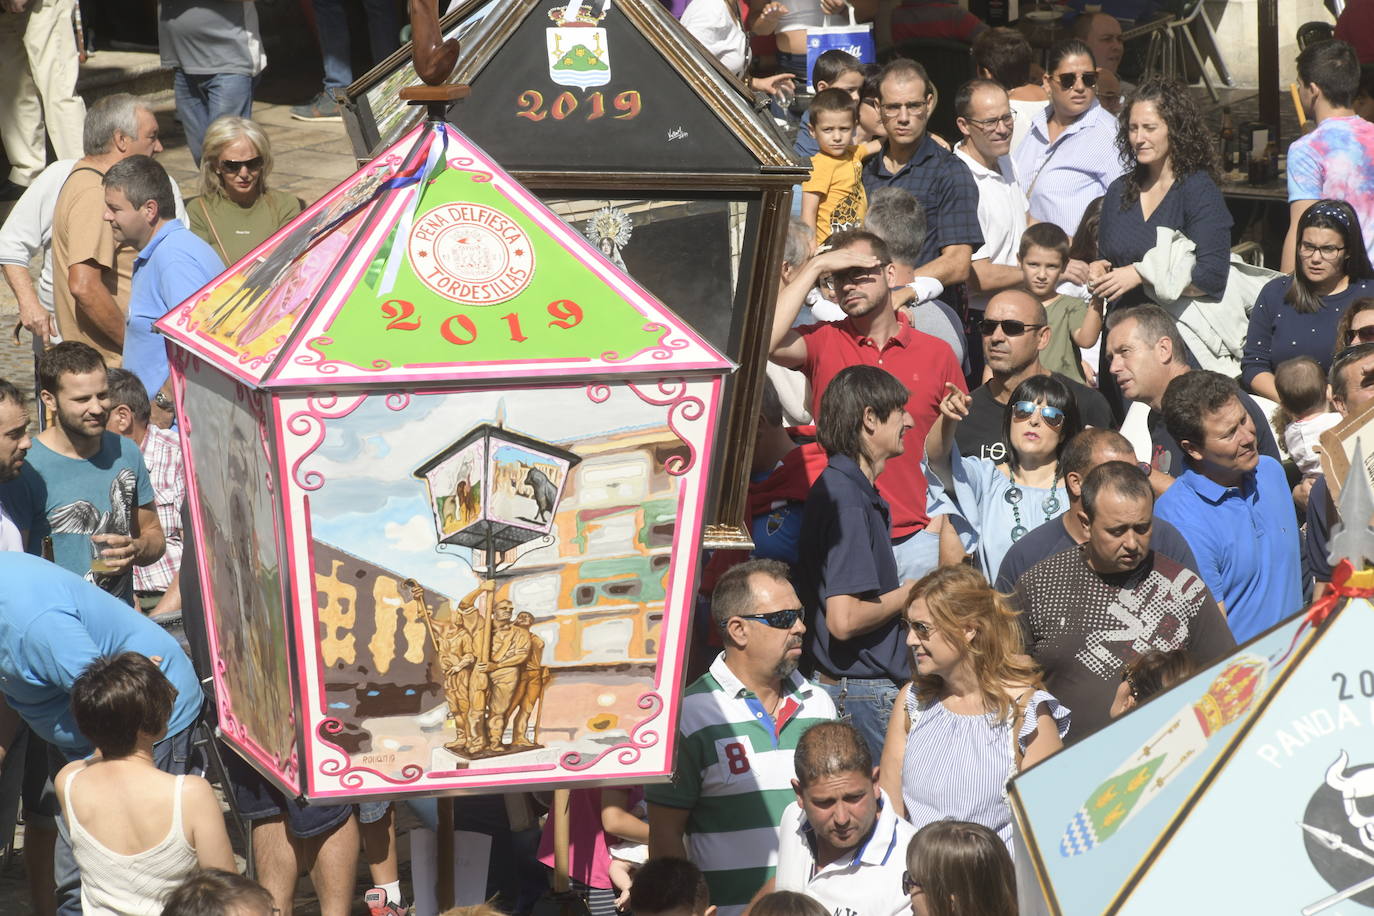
(1299, 315)
(1170, 183)
(1001, 501)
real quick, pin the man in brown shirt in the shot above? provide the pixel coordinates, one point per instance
(91, 273)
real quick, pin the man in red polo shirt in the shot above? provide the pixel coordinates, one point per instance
(872, 334)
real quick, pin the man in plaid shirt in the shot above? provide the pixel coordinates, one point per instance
(157, 587)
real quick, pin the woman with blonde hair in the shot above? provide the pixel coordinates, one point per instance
(236, 211)
(955, 868)
(976, 711)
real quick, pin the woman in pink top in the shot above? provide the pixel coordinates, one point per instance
(596, 818)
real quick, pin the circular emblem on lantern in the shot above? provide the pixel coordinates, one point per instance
(471, 254)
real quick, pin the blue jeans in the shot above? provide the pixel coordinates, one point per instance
(203, 97)
(331, 23)
(867, 704)
(170, 755)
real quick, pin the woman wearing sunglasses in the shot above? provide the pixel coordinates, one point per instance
(975, 712)
(1300, 314)
(955, 868)
(236, 211)
(1068, 156)
(1356, 325)
(1170, 183)
(997, 503)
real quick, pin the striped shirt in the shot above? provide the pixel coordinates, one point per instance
(734, 772)
(162, 454)
(958, 766)
(1063, 177)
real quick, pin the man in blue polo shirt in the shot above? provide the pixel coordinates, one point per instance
(847, 574)
(52, 625)
(1232, 504)
(911, 160)
(172, 264)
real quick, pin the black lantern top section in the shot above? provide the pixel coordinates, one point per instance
(602, 86)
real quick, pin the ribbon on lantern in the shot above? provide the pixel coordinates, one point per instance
(1346, 582)
(414, 180)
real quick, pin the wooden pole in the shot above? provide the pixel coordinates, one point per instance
(559, 813)
(444, 892)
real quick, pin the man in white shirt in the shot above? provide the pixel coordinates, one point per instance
(26, 232)
(842, 843)
(985, 119)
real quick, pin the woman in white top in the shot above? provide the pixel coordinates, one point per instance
(975, 712)
(136, 831)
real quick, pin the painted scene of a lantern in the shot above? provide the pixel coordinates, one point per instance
(447, 472)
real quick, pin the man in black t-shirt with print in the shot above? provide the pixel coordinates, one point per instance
(1015, 329)
(1088, 611)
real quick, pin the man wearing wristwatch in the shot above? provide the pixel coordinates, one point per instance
(172, 264)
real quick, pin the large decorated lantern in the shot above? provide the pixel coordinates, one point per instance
(447, 474)
(628, 129)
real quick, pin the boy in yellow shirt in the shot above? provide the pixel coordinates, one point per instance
(833, 197)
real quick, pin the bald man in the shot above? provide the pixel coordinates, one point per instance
(1089, 449)
(1015, 329)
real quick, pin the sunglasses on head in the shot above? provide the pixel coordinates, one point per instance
(1053, 416)
(234, 166)
(1067, 80)
(1010, 327)
(778, 620)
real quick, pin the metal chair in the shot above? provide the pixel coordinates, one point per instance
(1182, 28)
(1309, 33)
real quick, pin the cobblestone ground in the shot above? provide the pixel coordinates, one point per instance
(310, 159)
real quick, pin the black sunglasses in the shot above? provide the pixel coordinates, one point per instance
(778, 620)
(1010, 327)
(1363, 335)
(909, 883)
(1066, 80)
(233, 167)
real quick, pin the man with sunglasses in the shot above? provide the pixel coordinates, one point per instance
(739, 728)
(986, 121)
(1015, 329)
(860, 267)
(1089, 610)
(172, 264)
(910, 159)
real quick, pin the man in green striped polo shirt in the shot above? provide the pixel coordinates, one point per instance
(739, 726)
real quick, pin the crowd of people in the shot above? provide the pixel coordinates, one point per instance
(1019, 468)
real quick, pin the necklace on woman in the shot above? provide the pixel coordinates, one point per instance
(1050, 504)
